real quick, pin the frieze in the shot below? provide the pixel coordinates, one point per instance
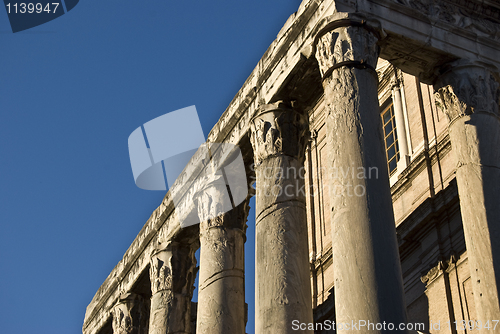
(477, 17)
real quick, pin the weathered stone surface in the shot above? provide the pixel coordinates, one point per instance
(467, 88)
(469, 95)
(221, 294)
(438, 294)
(283, 291)
(130, 315)
(346, 44)
(421, 37)
(172, 274)
(276, 132)
(368, 280)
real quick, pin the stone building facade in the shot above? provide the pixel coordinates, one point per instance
(391, 109)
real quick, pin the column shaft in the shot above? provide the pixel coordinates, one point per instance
(469, 96)
(283, 286)
(221, 294)
(172, 274)
(367, 273)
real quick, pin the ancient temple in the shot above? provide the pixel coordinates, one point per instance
(391, 110)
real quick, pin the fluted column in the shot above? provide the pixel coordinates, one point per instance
(367, 273)
(221, 294)
(283, 286)
(129, 315)
(404, 157)
(469, 95)
(172, 274)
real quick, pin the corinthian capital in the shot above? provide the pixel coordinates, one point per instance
(160, 269)
(172, 267)
(129, 315)
(215, 207)
(347, 40)
(278, 130)
(465, 89)
(213, 200)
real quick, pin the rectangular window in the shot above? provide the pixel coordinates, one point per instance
(390, 138)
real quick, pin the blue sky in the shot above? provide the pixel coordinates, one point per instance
(71, 92)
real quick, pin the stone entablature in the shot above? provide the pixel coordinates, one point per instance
(289, 71)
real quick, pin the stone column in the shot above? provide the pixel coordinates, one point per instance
(469, 95)
(283, 285)
(172, 274)
(367, 272)
(221, 294)
(129, 315)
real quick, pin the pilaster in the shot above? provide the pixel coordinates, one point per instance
(404, 157)
(439, 298)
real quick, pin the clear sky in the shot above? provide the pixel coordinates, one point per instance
(71, 92)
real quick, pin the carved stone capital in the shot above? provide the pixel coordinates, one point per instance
(466, 89)
(396, 81)
(347, 41)
(213, 200)
(433, 274)
(278, 130)
(129, 315)
(160, 270)
(171, 268)
(215, 208)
